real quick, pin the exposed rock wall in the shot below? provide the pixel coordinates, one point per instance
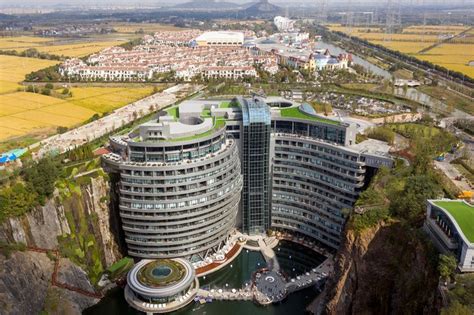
(25, 277)
(42, 226)
(385, 269)
(24, 280)
(25, 286)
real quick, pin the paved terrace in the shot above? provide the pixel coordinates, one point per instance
(269, 287)
(120, 117)
(228, 253)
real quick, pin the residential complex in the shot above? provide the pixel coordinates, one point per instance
(189, 177)
(144, 61)
(450, 224)
(210, 55)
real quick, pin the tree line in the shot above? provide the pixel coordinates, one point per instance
(31, 53)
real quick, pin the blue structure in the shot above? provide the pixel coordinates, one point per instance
(12, 155)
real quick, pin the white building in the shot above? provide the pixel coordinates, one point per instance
(284, 24)
(228, 72)
(220, 38)
(450, 224)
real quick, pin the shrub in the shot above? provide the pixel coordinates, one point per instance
(382, 133)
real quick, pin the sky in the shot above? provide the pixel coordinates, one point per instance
(39, 3)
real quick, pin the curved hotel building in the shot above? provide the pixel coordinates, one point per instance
(189, 177)
(180, 184)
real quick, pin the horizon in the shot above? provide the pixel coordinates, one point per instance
(158, 3)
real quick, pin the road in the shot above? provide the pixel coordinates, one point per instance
(120, 117)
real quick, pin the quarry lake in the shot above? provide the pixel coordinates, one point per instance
(293, 258)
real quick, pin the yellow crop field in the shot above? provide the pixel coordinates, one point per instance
(106, 99)
(13, 70)
(452, 56)
(435, 29)
(404, 47)
(22, 42)
(131, 28)
(79, 50)
(22, 113)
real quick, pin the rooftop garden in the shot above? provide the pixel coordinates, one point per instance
(462, 213)
(120, 268)
(294, 112)
(227, 104)
(173, 112)
(161, 272)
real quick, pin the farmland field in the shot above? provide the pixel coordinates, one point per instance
(106, 99)
(131, 28)
(13, 70)
(30, 116)
(22, 42)
(22, 113)
(79, 49)
(404, 47)
(453, 55)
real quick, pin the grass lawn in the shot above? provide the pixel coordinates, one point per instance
(452, 99)
(294, 112)
(173, 112)
(463, 214)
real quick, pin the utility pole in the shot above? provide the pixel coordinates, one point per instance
(389, 21)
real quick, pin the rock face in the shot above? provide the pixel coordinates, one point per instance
(25, 277)
(24, 280)
(42, 226)
(385, 269)
(25, 285)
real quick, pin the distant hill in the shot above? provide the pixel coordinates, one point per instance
(207, 5)
(262, 8)
(7, 17)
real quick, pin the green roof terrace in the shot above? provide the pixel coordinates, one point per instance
(462, 212)
(295, 112)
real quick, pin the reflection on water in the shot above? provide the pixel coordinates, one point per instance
(335, 50)
(302, 259)
(420, 97)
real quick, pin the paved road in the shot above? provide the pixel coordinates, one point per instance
(120, 117)
(452, 172)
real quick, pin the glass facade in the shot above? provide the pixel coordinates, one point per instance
(255, 166)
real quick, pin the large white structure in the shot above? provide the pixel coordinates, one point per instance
(284, 24)
(220, 38)
(450, 224)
